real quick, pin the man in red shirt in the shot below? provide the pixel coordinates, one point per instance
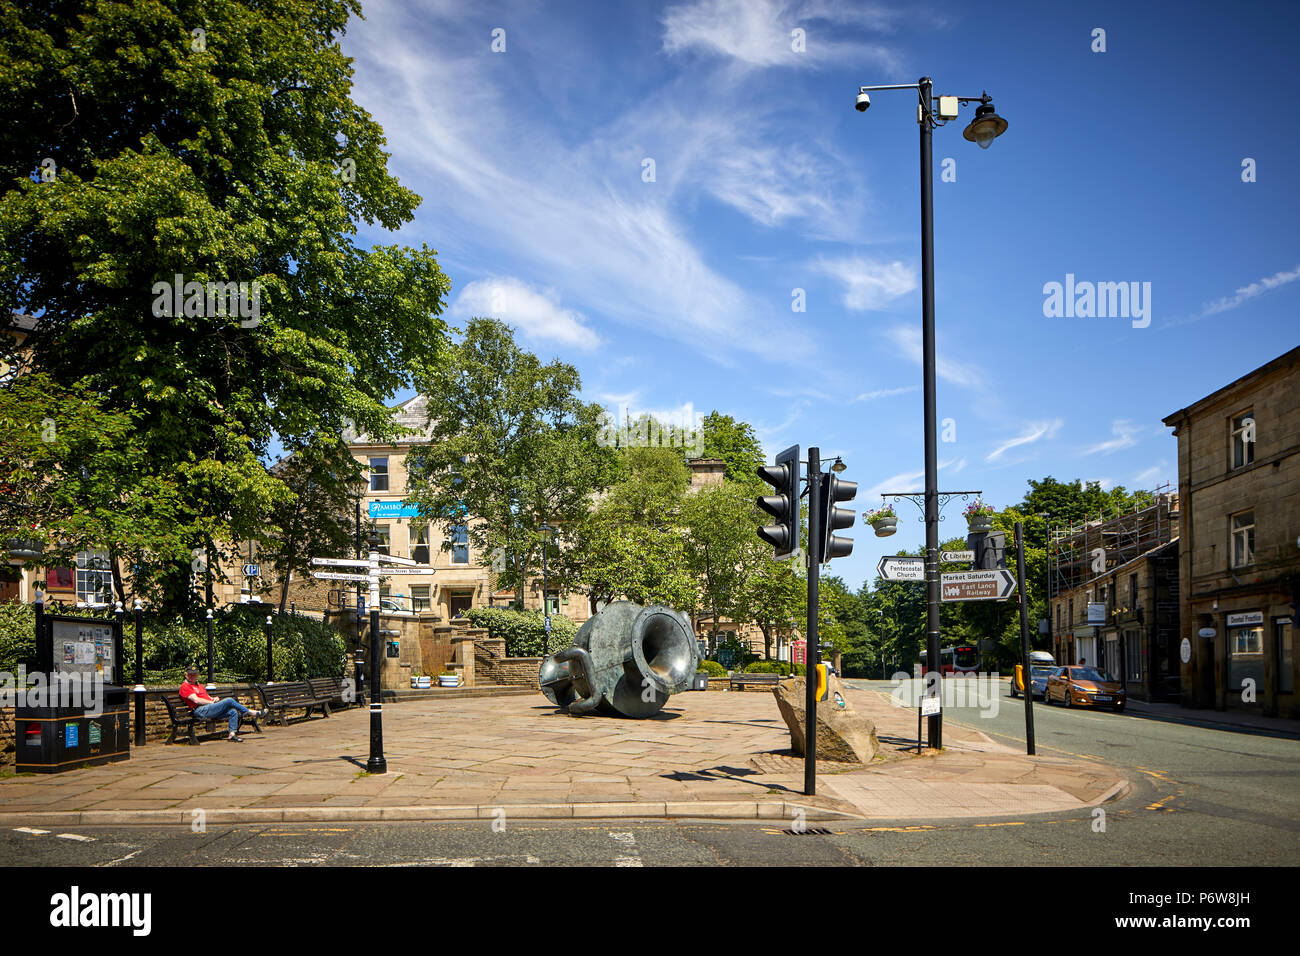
(205, 708)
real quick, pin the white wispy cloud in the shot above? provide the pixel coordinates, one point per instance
(505, 179)
(760, 33)
(1240, 297)
(869, 284)
(1151, 475)
(1125, 433)
(886, 393)
(1034, 431)
(907, 339)
(536, 313)
(908, 481)
(1248, 292)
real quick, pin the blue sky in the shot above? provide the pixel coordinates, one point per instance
(676, 295)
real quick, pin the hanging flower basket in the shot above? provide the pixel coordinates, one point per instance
(883, 521)
(23, 549)
(979, 517)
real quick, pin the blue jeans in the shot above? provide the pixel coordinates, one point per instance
(221, 708)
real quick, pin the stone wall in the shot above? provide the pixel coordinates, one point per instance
(492, 666)
(157, 724)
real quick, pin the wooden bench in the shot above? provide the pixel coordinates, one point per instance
(329, 690)
(278, 698)
(183, 719)
(757, 680)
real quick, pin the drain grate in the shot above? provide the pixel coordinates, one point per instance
(809, 831)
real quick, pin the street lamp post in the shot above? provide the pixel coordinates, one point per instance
(546, 530)
(881, 612)
(986, 126)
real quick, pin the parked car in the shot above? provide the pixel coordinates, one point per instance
(1085, 687)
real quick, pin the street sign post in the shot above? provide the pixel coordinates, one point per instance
(957, 557)
(339, 576)
(901, 567)
(976, 585)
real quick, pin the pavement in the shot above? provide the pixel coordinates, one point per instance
(1234, 719)
(707, 755)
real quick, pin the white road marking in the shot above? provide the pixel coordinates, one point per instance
(76, 836)
(633, 856)
(29, 830)
(123, 859)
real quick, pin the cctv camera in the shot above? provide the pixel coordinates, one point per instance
(864, 100)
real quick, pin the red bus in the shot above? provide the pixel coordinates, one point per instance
(958, 659)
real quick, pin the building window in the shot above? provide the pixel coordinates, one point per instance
(94, 577)
(1132, 592)
(1282, 640)
(1071, 617)
(1134, 652)
(460, 544)
(1243, 539)
(419, 597)
(420, 553)
(379, 474)
(1245, 640)
(382, 532)
(1243, 439)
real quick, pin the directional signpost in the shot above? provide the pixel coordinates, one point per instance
(957, 557)
(251, 570)
(976, 585)
(901, 567)
(373, 571)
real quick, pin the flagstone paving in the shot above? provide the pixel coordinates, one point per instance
(725, 754)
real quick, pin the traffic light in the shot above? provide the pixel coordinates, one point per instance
(836, 489)
(784, 505)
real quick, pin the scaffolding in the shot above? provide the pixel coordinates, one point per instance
(1120, 537)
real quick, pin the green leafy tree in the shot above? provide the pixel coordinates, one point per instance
(735, 443)
(632, 546)
(510, 445)
(215, 142)
(73, 477)
(718, 523)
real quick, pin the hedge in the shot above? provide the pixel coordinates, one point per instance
(523, 631)
(301, 647)
(712, 668)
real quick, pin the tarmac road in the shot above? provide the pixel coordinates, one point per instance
(1201, 797)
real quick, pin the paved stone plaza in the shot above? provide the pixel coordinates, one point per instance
(707, 755)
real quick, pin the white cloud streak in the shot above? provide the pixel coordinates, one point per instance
(1034, 432)
(1125, 433)
(868, 284)
(536, 313)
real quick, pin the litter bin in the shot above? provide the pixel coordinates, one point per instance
(701, 681)
(54, 739)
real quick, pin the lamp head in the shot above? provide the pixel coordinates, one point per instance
(986, 126)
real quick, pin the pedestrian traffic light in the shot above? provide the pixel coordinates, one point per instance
(784, 505)
(836, 489)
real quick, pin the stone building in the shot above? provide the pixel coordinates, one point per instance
(1239, 554)
(1113, 590)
